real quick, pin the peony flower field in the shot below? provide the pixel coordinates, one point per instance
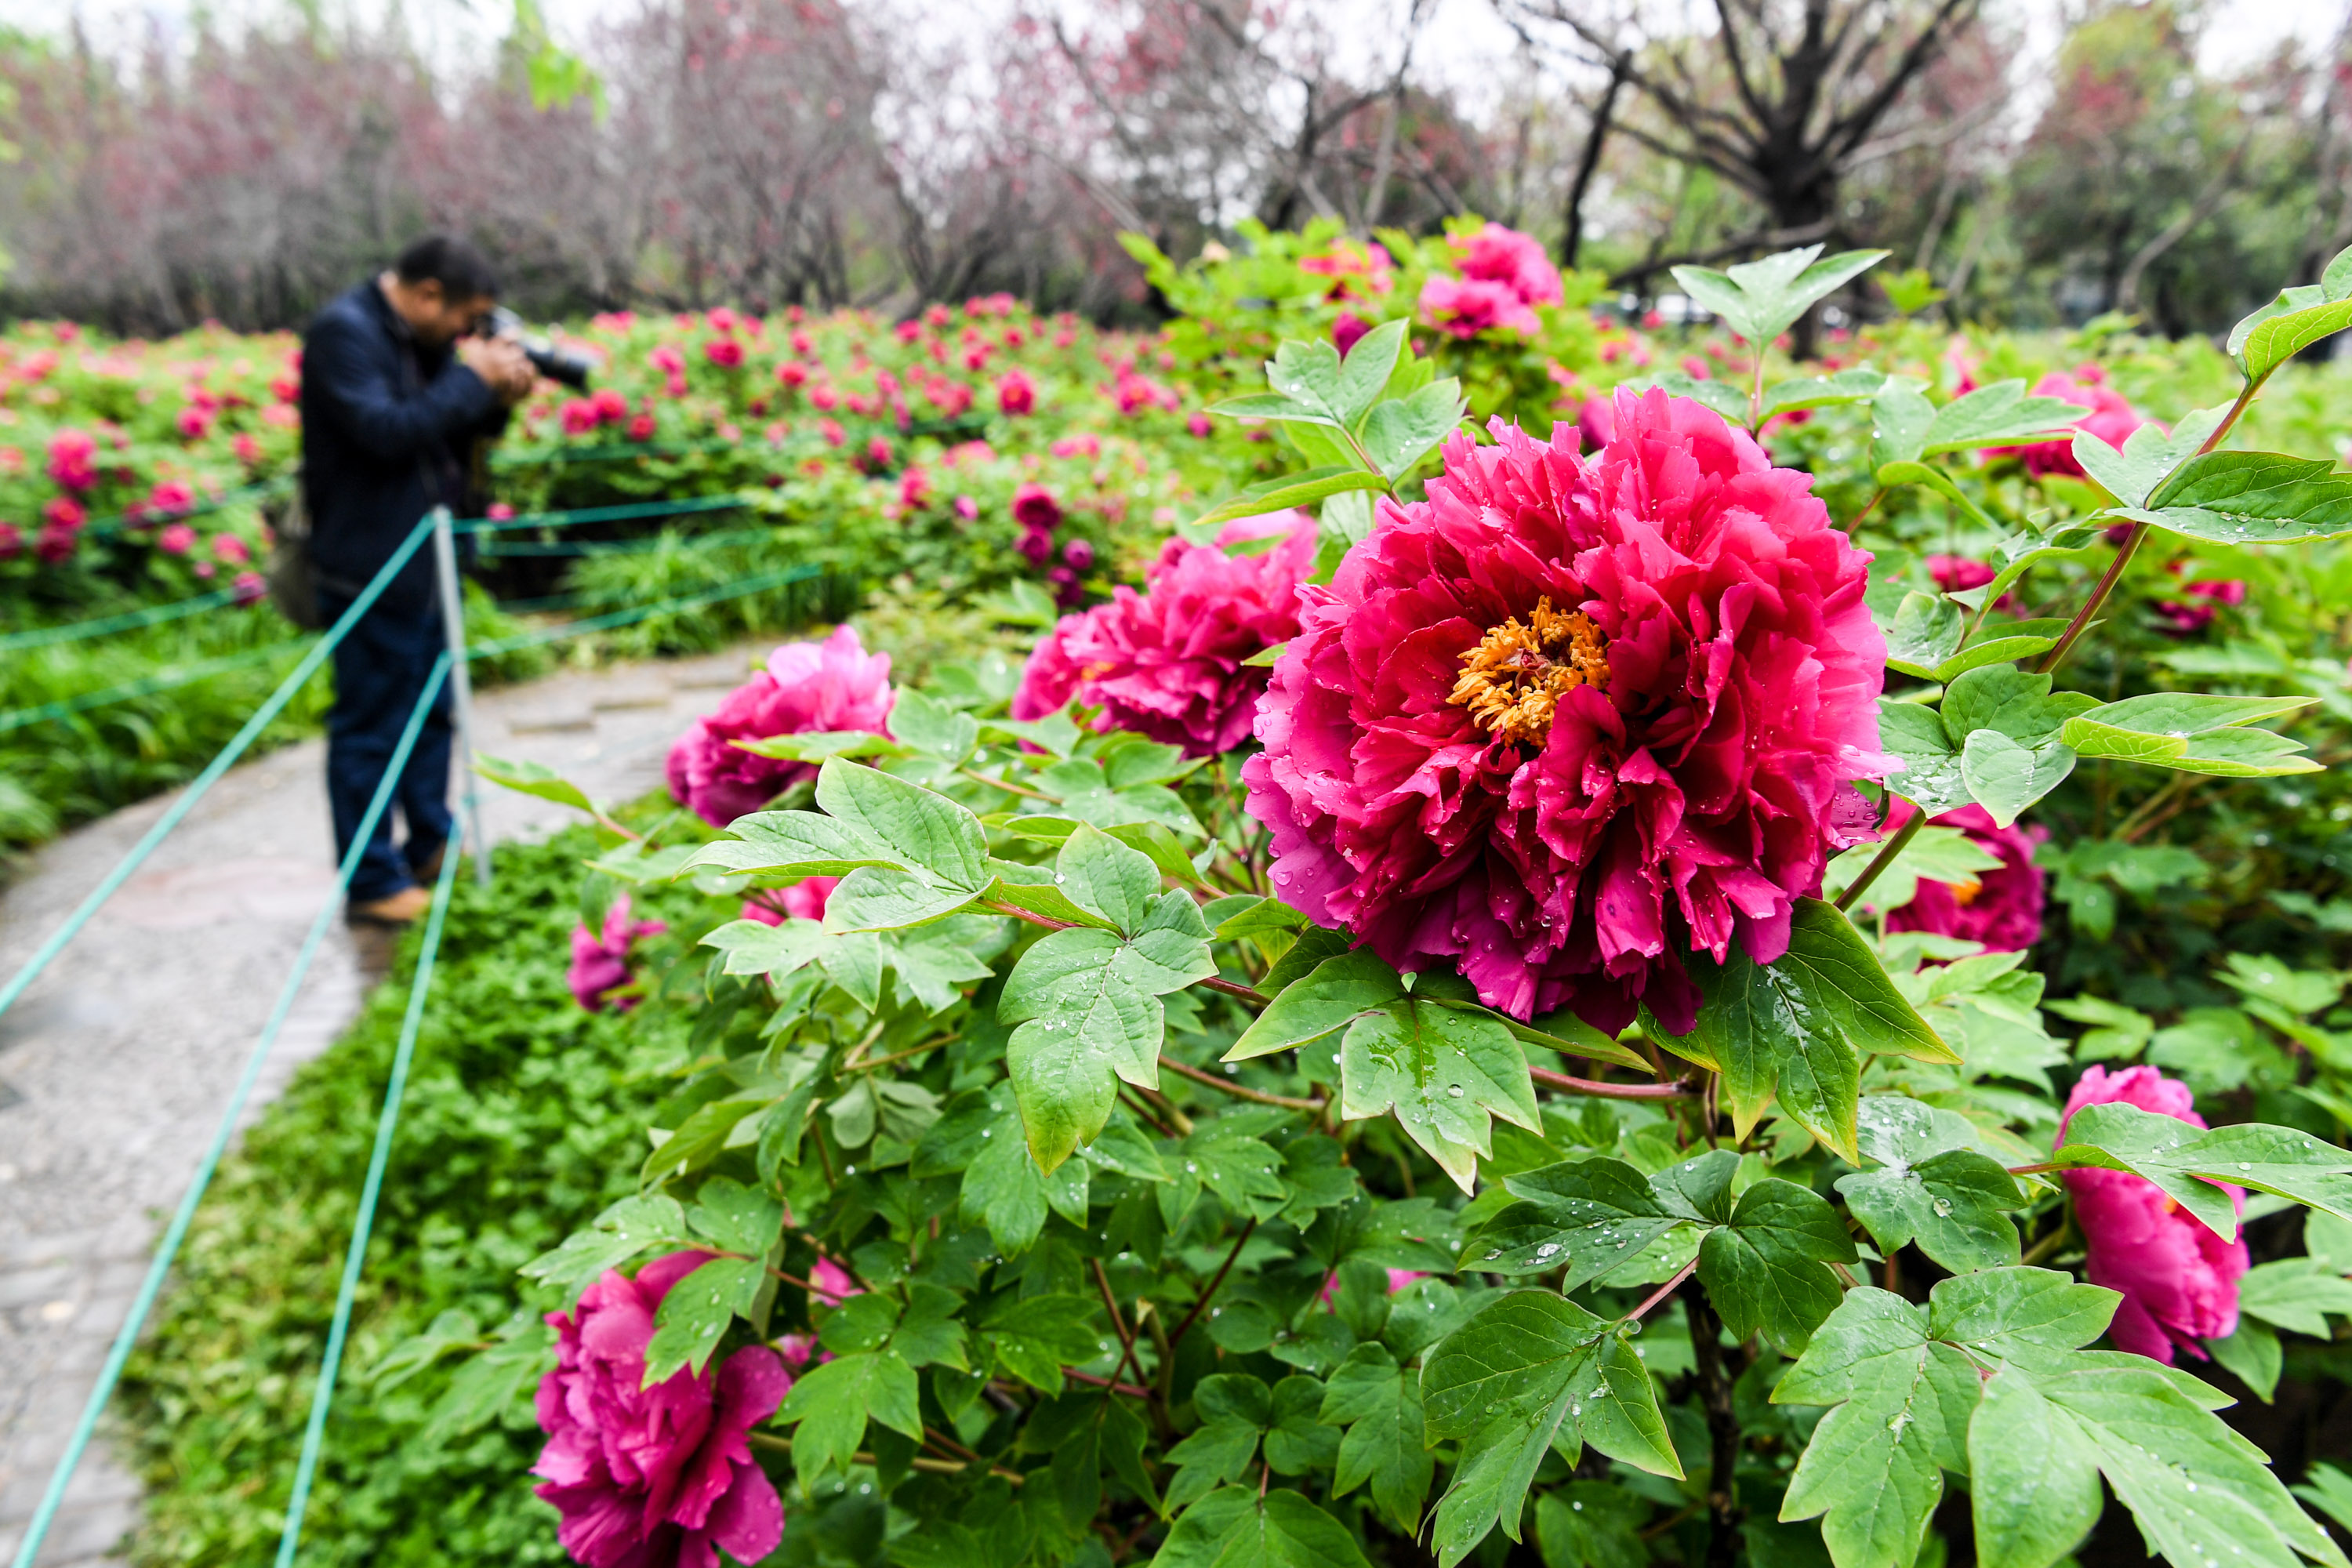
(1414, 917)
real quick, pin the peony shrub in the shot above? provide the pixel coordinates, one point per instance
(1515, 1014)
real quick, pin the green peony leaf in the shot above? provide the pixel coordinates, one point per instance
(2186, 1162)
(1379, 1403)
(1335, 993)
(696, 1311)
(832, 1402)
(1761, 299)
(1933, 1187)
(1765, 1270)
(1584, 1216)
(2294, 321)
(2250, 498)
(2000, 414)
(1447, 1073)
(1531, 1370)
(2190, 732)
(2148, 456)
(1234, 1527)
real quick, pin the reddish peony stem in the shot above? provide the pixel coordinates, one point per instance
(1198, 1075)
(1599, 1090)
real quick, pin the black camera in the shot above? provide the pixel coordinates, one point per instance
(555, 363)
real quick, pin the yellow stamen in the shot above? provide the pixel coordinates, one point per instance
(1515, 677)
(1965, 891)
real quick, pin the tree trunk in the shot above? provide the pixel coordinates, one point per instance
(1571, 238)
(1715, 1378)
(1810, 203)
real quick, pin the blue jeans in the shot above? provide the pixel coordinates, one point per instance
(380, 670)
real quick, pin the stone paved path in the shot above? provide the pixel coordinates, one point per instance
(115, 1064)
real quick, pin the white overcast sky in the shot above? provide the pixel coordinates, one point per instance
(1464, 38)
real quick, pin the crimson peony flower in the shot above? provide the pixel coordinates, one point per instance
(599, 963)
(1079, 554)
(1999, 908)
(641, 427)
(1033, 506)
(1015, 393)
(610, 406)
(1571, 716)
(807, 686)
(1167, 663)
(652, 1477)
(1348, 331)
(1959, 574)
(2112, 419)
(2180, 1281)
(725, 352)
(63, 513)
(55, 545)
(1036, 544)
(12, 541)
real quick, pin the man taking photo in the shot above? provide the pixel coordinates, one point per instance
(399, 399)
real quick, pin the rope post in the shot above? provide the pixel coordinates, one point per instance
(461, 688)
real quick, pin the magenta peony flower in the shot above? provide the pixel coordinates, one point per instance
(1957, 573)
(804, 901)
(1015, 393)
(177, 539)
(1167, 663)
(1467, 307)
(2180, 1281)
(832, 685)
(2112, 419)
(12, 541)
(652, 1477)
(1499, 255)
(65, 513)
(250, 587)
(599, 963)
(1034, 505)
(725, 352)
(228, 547)
(1036, 544)
(1571, 716)
(1348, 331)
(1079, 555)
(2002, 908)
(55, 545)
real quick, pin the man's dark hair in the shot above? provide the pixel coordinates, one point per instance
(463, 272)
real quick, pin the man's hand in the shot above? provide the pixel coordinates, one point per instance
(500, 363)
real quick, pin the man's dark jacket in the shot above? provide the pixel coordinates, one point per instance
(388, 433)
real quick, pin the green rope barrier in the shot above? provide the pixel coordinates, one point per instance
(129, 620)
(168, 1248)
(524, 456)
(605, 513)
(322, 1395)
(645, 611)
(169, 679)
(262, 715)
(532, 549)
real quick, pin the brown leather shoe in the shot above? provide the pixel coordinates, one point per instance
(401, 908)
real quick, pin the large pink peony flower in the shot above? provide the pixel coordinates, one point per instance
(599, 962)
(2180, 1281)
(1167, 663)
(804, 901)
(649, 1478)
(2112, 419)
(1499, 255)
(1999, 908)
(832, 685)
(1571, 716)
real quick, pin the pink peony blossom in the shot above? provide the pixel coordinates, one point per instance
(1999, 908)
(1167, 663)
(600, 965)
(652, 1477)
(228, 547)
(1078, 555)
(1959, 574)
(250, 587)
(1467, 307)
(12, 541)
(170, 497)
(2112, 419)
(1499, 255)
(177, 539)
(1659, 756)
(1348, 262)
(73, 459)
(1015, 393)
(55, 545)
(578, 416)
(727, 354)
(1200, 426)
(2180, 1281)
(610, 405)
(1596, 423)
(63, 513)
(1036, 544)
(641, 427)
(804, 901)
(1348, 331)
(807, 686)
